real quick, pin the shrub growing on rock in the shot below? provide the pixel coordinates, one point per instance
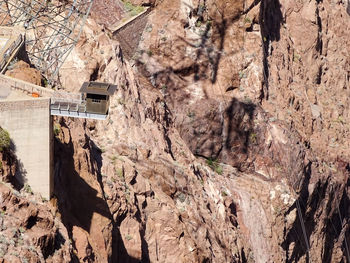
(5, 140)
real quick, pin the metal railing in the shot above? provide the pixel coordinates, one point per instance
(67, 105)
(67, 101)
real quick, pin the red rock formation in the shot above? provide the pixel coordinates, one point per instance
(29, 231)
(228, 129)
(80, 198)
(23, 71)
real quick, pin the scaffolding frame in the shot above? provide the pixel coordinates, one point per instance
(53, 28)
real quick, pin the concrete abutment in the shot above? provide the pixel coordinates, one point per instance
(30, 126)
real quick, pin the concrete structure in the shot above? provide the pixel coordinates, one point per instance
(11, 40)
(61, 103)
(28, 121)
(129, 33)
(24, 87)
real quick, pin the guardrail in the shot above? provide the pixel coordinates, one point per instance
(68, 105)
(78, 114)
(60, 100)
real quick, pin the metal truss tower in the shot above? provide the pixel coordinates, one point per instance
(52, 28)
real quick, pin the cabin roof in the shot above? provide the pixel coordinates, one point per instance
(100, 88)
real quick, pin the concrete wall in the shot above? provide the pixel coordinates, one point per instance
(129, 33)
(23, 86)
(30, 128)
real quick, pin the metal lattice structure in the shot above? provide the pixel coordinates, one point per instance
(52, 28)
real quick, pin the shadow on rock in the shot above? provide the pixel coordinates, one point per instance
(75, 195)
(12, 168)
(271, 19)
(221, 133)
(329, 202)
(79, 200)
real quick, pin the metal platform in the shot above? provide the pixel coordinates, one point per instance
(61, 103)
(71, 105)
(77, 114)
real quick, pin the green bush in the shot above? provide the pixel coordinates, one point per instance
(214, 165)
(27, 189)
(149, 53)
(218, 169)
(119, 172)
(137, 10)
(5, 140)
(128, 6)
(56, 129)
(132, 9)
(128, 237)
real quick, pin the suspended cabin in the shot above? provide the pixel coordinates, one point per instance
(97, 96)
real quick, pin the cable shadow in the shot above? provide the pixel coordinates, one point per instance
(270, 20)
(208, 48)
(311, 204)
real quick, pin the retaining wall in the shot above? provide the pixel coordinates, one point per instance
(23, 86)
(129, 33)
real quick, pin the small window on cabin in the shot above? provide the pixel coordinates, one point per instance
(96, 97)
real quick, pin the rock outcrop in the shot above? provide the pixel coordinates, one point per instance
(21, 70)
(80, 199)
(29, 229)
(255, 85)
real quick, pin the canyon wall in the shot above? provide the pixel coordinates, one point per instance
(198, 160)
(226, 140)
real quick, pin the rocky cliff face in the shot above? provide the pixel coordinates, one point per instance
(198, 161)
(226, 140)
(29, 229)
(221, 66)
